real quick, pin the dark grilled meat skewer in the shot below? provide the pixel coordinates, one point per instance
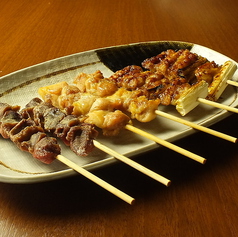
(78, 136)
(27, 135)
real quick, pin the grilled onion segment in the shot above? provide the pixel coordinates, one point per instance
(188, 100)
(219, 82)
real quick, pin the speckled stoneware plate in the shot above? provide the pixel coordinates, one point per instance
(20, 87)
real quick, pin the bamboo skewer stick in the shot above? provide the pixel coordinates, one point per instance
(132, 163)
(196, 126)
(218, 105)
(96, 180)
(233, 83)
(166, 144)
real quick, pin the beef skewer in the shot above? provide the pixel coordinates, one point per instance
(31, 138)
(66, 127)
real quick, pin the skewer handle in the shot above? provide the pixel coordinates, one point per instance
(218, 105)
(166, 144)
(196, 126)
(96, 180)
(132, 163)
(233, 83)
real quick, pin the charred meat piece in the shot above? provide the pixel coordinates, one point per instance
(183, 64)
(38, 113)
(34, 139)
(134, 77)
(34, 102)
(207, 71)
(63, 126)
(44, 114)
(79, 136)
(130, 77)
(171, 63)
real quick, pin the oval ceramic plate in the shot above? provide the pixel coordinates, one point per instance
(20, 87)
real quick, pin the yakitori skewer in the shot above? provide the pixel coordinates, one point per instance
(218, 105)
(176, 77)
(179, 78)
(206, 93)
(98, 102)
(233, 83)
(79, 136)
(84, 106)
(216, 90)
(97, 117)
(29, 137)
(99, 93)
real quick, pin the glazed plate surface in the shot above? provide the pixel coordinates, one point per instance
(20, 87)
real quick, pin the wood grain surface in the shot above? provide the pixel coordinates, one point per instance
(202, 199)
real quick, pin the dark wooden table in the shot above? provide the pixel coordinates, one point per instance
(202, 200)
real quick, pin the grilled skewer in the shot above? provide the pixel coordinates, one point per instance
(27, 139)
(94, 98)
(117, 119)
(68, 127)
(31, 138)
(169, 72)
(79, 138)
(27, 135)
(178, 78)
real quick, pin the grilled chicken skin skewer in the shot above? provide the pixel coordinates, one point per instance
(108, 113)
